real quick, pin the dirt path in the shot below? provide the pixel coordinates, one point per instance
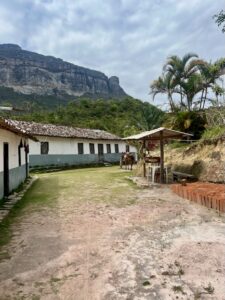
(101, 237)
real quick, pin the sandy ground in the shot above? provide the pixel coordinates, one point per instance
(154, 246)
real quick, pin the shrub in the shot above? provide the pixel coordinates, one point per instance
(213, 133)
(187, 121)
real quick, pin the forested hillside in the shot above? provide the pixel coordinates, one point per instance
(122, 117)
(9, 97)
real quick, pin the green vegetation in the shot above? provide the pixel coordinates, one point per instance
(178, 145)
(146, 283)
(187, 81)
(213, 133)
(220, 19)
(43, 192)
(31, 102)
(187, 121)
(178, 289)
(121, 117)
(190, 84)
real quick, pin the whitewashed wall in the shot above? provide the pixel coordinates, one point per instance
(13, 140)
(58, 145)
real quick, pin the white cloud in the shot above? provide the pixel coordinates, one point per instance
(127, 38)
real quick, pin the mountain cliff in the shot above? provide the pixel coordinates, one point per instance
(32, 73)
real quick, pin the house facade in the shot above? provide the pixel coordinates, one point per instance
(68, 146)
(14, 158)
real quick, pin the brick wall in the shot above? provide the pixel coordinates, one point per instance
(210, 195)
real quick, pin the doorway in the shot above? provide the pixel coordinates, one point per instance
(6, 168)
(100, 153)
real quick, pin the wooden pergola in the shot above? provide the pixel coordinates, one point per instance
(161, 134)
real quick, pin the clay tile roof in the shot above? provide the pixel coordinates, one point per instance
(11, 125)
(39, 129)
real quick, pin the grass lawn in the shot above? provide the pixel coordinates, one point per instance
(103, 184)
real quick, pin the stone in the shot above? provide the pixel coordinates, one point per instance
(215, 155)
(32, 73)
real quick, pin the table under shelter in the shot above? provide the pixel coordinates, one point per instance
(160, 135)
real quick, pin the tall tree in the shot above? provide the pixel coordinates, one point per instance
(182, 70)
(189, 77)
(210, 72)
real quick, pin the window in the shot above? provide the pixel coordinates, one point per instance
(127, 148)
(92, 148)
(44, 147)
(116, 148)
(80, 148)
(108, 147)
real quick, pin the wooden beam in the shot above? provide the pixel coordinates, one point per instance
(161, 158)
(144, 165)
(165, 137)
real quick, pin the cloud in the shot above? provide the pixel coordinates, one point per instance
(127, 38)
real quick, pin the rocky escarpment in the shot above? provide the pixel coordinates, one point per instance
(31, 73)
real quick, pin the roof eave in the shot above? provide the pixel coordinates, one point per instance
(6, 126)
(78, 137)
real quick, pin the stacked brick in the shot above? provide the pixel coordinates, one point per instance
(210, 195)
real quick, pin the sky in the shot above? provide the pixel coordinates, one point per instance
(127, 38)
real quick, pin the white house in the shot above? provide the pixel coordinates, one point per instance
(63, 145)
(14, 148)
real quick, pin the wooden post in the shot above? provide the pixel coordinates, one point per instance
(161, 158)
(144, 166)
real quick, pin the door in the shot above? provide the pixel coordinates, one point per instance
(6, 168)
(100, 153)
(26, 162)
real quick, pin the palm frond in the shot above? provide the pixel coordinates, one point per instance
(187, 57)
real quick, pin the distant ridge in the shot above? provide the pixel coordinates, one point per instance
(32, 73)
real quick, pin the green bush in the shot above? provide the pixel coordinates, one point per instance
(213, 132)
(187, 121)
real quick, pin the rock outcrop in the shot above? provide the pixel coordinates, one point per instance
(31, 73)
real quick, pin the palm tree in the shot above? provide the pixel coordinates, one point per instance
(164, 85)
(190, 88)
(183, 71)
(210, 72)
(182, 67)
(188, 77)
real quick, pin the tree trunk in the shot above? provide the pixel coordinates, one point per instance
(170, 99)
(189, 102)
(181, 98)
(201, 99)
(206, 92)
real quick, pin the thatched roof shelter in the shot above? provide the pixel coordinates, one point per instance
(161, 134)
